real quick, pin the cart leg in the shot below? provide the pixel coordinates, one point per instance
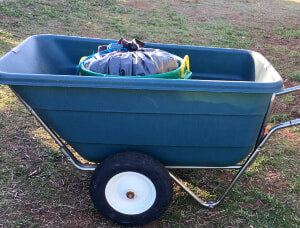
(235, 179)
(241, 170)
(212, 204)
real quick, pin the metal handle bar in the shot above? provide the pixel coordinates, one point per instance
(277, 127)
(288, 90)
(291, 122)
(241, 171)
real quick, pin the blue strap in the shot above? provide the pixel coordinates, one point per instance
(110, 48)
(113, 45)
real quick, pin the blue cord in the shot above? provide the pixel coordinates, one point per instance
(110, 48)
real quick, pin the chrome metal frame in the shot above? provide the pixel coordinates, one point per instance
(288, 90)
(242, 168)
(69, 155)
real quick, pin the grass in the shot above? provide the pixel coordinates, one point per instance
(7, 41)
(288, 99)
(40, 188)
(279, 118)
(294, 76)
(288, 32)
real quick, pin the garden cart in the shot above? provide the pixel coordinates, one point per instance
(132, 130)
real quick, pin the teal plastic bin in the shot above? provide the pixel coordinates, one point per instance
(214, 119)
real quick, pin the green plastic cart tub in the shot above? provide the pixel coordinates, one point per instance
(213, 119)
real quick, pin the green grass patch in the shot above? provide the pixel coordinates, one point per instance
(294, 53)
(51, 155)
(293, 75)
(278, 118)
(288, 99)
(230, 36)
(287, 32)
(295, 129)
(274, 213)
(31, 16)
(274, 61)
(7, 41)
(25, 221)
(276, 50)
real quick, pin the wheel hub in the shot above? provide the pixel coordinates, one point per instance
(130, 195)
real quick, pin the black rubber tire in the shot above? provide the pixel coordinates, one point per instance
(135, 162)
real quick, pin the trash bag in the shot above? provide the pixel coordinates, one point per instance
(130, 59)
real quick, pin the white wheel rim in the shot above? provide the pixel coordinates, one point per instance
(130, 193)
